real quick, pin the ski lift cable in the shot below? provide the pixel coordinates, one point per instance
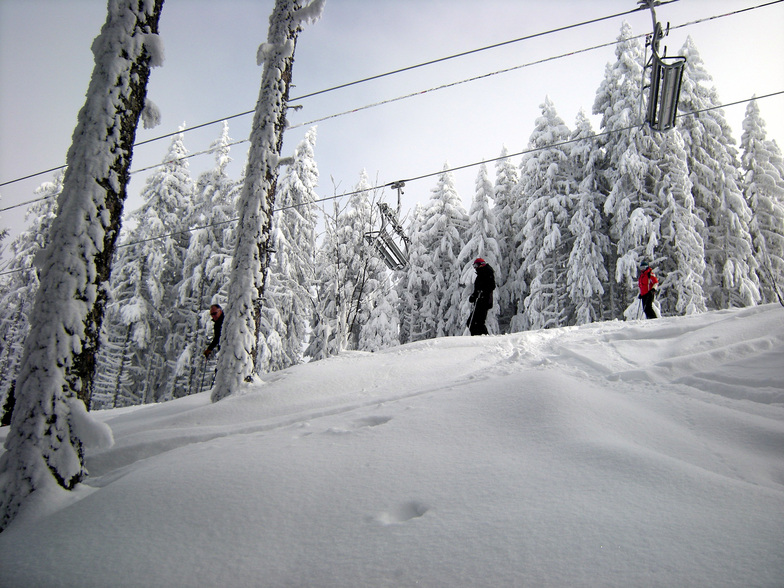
(425, 176)
(458, 83)
(423, 64)
(207, 151)
(419, 93)
(383, 102)
(473, 51)
(344, 113)
(368, 79)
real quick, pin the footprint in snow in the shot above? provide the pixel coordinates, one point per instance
(402, 513)
(373, 421)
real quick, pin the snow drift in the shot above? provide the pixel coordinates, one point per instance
(614, 454)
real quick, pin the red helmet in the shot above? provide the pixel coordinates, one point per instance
(479, 262)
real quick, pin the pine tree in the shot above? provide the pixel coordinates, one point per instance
(764, 190)
(625, 172)
(360, 270)
(678, 231)
(206, 264)
(241, 329)
(445, 221)
(482, 241)
(587, 268)
(3, 234)
(382, 327)
(546, 242)
(326, 325)
(159, 243)
(288, 300)
(413, 284)
(44, 446)
(507, 179)
(22, 285)
(730, 276)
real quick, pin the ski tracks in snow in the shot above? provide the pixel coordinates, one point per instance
(678, 352)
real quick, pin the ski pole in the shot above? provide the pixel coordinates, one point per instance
(203, 371)
(473, 311)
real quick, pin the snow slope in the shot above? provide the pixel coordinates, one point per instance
(615, 454)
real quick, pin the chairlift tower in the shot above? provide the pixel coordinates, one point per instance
(666, 77)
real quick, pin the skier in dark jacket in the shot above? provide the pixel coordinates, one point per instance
(482, 297)
(216, 313)
(648, 284)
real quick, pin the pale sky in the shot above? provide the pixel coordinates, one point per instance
(210, 73)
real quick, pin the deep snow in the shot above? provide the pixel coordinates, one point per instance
(644, 453)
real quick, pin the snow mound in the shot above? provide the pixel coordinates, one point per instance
(643, 453)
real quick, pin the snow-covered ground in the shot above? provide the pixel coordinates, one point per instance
(646, 453)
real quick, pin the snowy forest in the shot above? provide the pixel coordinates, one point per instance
(565, 229)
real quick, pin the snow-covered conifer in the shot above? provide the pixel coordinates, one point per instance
(507, 178)
(481, 241)
(413, 283)
(359, 271)
(328, 326)
(152, 262)
(381, 330)
(764, 190)
(444, 223)
(543, 225)
(206, 264)
(730, 277)
(19, 292)
(625, 169)
(678, 248)
(587, 269)
(288, 302)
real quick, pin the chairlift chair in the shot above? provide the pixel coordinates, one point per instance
(390, 240)
(665, 89)
(666, 78)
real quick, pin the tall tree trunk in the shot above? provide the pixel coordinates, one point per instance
(119, 138)
(239, 340)
(58, 363)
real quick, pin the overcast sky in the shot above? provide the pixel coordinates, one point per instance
(210, 73)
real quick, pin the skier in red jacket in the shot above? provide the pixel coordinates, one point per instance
(648, 285)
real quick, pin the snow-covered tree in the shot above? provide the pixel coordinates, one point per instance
(327, 321)
(413, 283)
(350, 271)
(676, 242)
(146, 283)
(444, 223)
(45, 446)
(764, 190)
(3, 233)
(547, 188)
(207, 262)
(241, 329)
(381, 330)
(481, 241)
(288, 303)
(587, 268)
(730, 268)
(506, 180)
(20, 289)
(625, 171)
